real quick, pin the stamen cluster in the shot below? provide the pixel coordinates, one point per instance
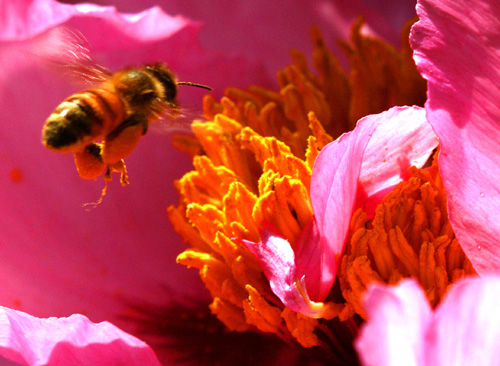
(252, 164)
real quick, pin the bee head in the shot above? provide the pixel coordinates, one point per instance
(167, 78)
(169, 82)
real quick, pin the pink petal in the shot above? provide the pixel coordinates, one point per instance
(277, 259)
(458, 53)
(407, 141)
(308, 257)
(354, 170)
(467, 326)
(398, 318)
(403, 330)
(334, 187)
(267, 32)
(75, 340)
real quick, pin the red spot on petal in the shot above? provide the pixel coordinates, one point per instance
(16, 175)
(16, 304)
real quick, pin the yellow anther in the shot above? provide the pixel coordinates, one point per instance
(409, 236)
(260, 313)
(253, 160)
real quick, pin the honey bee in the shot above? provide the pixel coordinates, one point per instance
(102, 125)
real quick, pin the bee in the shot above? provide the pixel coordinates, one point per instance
(102, 125)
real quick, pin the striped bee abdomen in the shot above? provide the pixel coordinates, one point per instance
(82, 118)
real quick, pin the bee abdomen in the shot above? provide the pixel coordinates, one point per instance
(81, 118)
(107, 105)
(70, 123)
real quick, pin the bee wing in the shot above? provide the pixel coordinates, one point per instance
(66, 52)
(176, 120)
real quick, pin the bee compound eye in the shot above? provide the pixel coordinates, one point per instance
(166, 78)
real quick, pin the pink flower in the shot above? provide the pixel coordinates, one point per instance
(467, 125)
(403, 329)
(354, 171)
(58, 259)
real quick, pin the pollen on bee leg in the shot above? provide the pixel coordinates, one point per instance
(118, 167)
(89, 162)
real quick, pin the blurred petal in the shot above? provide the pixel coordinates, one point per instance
(149, 36)
(354, 170)
(32, 341)
(396, 328)
(56, 257)
(458, 53)
(402, 329)
(259, 29)
(466, 329)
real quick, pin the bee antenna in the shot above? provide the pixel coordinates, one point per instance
(194, 84)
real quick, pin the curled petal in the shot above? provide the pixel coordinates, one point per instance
(407, 140)
(277, 259)
(334, 186)
(356, 169)
(58, 341)
(458, 54)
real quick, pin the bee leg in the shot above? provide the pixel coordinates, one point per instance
(89, 162)
(118, 167)
(120, 142)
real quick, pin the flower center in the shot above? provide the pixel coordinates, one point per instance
(252, 164)
(410, 236)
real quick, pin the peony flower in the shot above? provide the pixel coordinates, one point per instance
(348, 221)
(58, 258)
(253, 182)
(270, 233)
